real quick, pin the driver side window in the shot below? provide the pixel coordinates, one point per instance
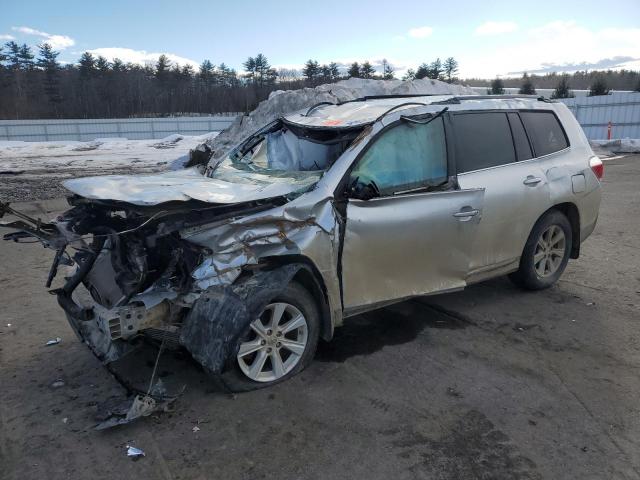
(408, 156)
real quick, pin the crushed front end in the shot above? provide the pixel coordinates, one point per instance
(131, 274)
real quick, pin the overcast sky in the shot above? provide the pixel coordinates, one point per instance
(488, 38)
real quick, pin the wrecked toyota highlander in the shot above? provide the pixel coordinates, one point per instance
(321, 215)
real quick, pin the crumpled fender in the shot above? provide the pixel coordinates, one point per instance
(212, 329)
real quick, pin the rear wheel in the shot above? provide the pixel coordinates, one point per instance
(278, 344)
(546, 252)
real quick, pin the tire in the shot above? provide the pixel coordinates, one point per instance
(546, 253)
(297, 300)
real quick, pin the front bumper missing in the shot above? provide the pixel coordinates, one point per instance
(106, 331)
(102, 333)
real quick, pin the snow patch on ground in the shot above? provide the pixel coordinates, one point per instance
(622, 145)
(100, 154)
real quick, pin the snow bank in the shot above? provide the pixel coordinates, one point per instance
(623, 145)
(284, 102)
(100, 154)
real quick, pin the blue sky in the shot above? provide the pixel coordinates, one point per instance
(487, 38)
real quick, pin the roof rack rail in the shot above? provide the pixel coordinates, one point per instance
(499, 97)
(406, 104)
(382, 97)
(313, 107)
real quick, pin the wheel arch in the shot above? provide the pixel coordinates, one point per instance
(311, 279)
(570, 210)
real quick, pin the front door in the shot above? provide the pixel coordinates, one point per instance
(413, 231)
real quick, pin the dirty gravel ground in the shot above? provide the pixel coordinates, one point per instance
(492, 382)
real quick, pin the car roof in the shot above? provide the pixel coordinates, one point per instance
(366, 110)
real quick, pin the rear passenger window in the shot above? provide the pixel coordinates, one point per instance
(520, 140)
(482, 140)
(545, 132)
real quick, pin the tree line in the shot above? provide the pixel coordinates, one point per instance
(37, 85)
(563, 84)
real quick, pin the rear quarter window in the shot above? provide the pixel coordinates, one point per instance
(545, 132)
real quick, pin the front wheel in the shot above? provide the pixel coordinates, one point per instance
(278, 344)
(546, 252)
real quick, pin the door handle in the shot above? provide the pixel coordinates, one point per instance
(531, 180)
(466, 213)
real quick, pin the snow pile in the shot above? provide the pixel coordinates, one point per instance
(100, 154)
(284, 102)
(623, 145)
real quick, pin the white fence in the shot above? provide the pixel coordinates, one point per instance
(622, 109)
(131, 128)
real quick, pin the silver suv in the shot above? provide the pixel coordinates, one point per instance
(318, 216)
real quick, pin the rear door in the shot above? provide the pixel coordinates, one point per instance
(414, 235)
(492, 151)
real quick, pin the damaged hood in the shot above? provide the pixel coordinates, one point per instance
(185, 185)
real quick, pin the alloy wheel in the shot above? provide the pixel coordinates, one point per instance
(550, 251)
(276, 342)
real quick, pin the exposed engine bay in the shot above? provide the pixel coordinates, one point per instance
(130, 260)
(188, 259)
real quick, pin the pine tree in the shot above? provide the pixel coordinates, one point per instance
(562, 90)
(354, 70)
(366, 70)
(435, 69)
(250, 67)
(599, 87)
(48, 62)
(422, 72)
(163, 67)
(387, 70)
(311, 69)
(187, 71)
(206, 74)
(87, 65)
(118, 65)
(25, 57)
(13, 55)
(325, 72)
(410, 75)
(47, 59)
(227, 76)
(264, 74)
(450, 69)
(334, 71)
(497, 87)
(527, 88)
(102, 65)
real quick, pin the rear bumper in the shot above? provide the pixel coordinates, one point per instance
(586, 230)
(589, 207)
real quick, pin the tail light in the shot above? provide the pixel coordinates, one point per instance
(597, 167)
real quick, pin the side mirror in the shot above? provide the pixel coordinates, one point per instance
(362, 190)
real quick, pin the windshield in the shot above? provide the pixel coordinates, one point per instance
(281, 154)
